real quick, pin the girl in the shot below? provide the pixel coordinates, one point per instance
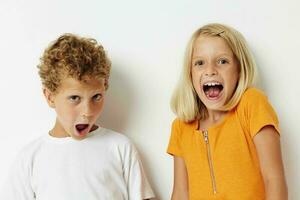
(225, 141)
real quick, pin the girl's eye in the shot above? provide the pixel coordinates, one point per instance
(97, 97)
(222, 61)
(74, 98)
(198, 63)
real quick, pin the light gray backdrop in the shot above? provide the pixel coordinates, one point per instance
(145, 41)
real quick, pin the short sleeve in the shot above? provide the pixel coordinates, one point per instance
(258, 112)
(174, 147)
(137, 183)
(17, 186)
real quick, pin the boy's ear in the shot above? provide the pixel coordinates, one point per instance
(49, 97)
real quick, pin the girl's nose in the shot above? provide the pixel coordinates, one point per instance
(210, 70)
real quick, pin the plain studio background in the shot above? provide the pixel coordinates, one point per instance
(145, 41)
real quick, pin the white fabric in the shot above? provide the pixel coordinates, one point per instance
(104, 166)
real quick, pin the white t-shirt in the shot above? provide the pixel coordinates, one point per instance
(103, 166)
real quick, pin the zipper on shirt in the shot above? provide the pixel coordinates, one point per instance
(212, 174)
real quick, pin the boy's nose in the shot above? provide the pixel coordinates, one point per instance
(87, 111)
(86, 115)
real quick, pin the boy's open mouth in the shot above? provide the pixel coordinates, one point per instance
(212, 89)
(82, 129)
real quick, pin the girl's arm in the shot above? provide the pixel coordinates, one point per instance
(180, 187)
(268, 149)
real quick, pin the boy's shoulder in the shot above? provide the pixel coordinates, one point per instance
(29, 150)
(112, 141)
(33, 145)
(112, 137)
(101, 137)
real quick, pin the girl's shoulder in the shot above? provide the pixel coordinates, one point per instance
(255, 111)
(253, 93)
(252, 96)
(179, 126)
(254, 103)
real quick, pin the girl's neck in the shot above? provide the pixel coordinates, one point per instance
(214, 117)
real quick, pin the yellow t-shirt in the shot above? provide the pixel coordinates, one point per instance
(234, 171)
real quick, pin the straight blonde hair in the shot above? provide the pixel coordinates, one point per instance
(185, 102)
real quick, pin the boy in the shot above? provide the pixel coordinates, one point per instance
(77, 159)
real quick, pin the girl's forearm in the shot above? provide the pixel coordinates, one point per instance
(276, 189)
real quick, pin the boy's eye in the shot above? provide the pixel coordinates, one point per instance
(74, 98)
(97, 97)
(222, 61)
(198, 63)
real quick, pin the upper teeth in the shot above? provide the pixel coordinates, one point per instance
(212, 84)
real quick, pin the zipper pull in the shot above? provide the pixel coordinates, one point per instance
(205, 134)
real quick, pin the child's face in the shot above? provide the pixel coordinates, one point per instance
(78, 104)
(215, 71)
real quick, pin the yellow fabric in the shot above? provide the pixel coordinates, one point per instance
(234, 158)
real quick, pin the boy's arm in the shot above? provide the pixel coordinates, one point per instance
(268, 149)
(180, 187)
(18, 185)
(135, 177)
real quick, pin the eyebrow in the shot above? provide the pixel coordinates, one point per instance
(78, 92)
(218, 55)
(225, 54)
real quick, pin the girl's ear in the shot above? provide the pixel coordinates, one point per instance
(49, 97)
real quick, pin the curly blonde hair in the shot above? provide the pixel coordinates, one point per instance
(73, 56)
(185, 102)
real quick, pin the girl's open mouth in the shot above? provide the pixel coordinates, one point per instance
(212, 90)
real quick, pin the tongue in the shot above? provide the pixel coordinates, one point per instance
(82, 129)
(81, 126)
(213, 92)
